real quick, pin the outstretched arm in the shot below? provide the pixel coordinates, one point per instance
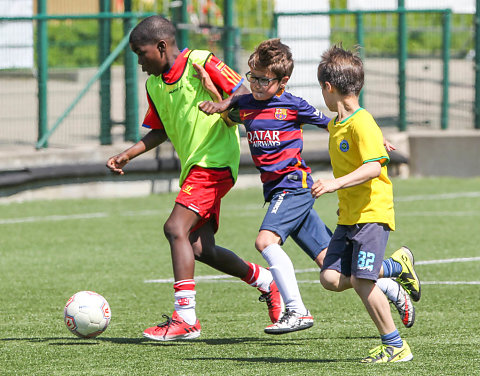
(218, 104)
(364, 173)
(207, 82)
(152, 139)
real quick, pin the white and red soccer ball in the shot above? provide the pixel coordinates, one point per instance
(87, 314)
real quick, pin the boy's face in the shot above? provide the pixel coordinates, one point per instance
(329, 96)
(259, 77)
(151, 57)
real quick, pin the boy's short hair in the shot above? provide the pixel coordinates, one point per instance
(274, 56)
(343, 69)
(153, 29)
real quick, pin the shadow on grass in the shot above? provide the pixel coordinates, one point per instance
(277, 360)
(265, 341)
(72, 341)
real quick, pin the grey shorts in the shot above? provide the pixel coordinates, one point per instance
(358, 250)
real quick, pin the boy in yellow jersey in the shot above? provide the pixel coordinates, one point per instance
(209, 153)
(365, 216)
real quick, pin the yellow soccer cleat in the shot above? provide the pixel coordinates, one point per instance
(386, 353)
(408, 278)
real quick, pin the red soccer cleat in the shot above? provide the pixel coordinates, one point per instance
(274, 302)
(172, 329)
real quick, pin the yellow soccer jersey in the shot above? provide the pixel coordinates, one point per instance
(354, 141)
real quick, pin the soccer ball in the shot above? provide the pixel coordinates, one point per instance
(87, 314)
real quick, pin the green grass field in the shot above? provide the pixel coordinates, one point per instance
(52, 249)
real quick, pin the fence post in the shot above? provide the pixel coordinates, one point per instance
(229, 34)
(180, 18)
(104, 45)
(447, 23)
(477, 66)
(402, 58)
(42, 66)
(274, 31)
(361, 43)
(131, 82)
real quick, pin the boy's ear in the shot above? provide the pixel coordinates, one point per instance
(328, 86)
(162, 46)
(284, 80)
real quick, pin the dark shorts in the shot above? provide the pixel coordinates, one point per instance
(358, 250)
(291, 213)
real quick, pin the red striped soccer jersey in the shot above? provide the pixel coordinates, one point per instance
(275, 138)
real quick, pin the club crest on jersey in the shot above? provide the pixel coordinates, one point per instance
(344, 146)
(280, 113)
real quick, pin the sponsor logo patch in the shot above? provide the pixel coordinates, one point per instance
(187, 189)
(278, 203)
(183, 301)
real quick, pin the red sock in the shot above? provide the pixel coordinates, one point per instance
(184, 284)
(252, 275)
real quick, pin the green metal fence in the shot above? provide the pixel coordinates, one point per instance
(84, 85)
(408, 61)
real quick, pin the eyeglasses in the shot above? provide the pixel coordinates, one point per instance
(263, 81)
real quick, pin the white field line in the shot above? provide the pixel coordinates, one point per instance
(56, 218)
(440, 196)
(228, 278)
(68, 217)
(423, 282)
(437, 214)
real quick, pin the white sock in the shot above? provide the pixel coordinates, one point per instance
(389, 287)
(265, 278)
(185, 305)
(283, 273)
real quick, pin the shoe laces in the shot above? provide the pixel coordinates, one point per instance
(405, 286)
(286, 316)
(378, 351)
(170, 322)
(266, 297)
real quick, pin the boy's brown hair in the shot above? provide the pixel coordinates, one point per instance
(343, 69)
(274, 56)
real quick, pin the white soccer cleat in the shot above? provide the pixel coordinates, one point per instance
(290, 321)
(404, 306)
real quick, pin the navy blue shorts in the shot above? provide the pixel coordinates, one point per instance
(357, 250)
(291, 213)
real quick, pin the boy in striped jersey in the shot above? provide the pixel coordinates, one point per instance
(209, 153)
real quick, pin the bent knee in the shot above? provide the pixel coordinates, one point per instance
(173, 230)
(330, 280)
(266, 238)
(260, 245)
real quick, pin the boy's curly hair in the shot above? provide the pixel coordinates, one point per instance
(343, 69)
(274, 56)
